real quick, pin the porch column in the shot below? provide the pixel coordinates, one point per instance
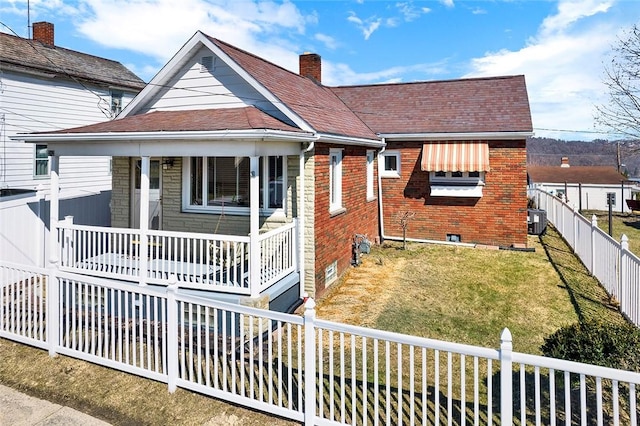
(143, 258)
(54, 209)
(301, 224)
(53, 293)
(254, 226)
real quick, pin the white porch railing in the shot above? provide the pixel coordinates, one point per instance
(303, 368)
(199, 261)
(610, 261)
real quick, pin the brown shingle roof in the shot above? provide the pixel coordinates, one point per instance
(497, 104)
(316, 104)
(598, 175)
(192, 120)
(23, 55)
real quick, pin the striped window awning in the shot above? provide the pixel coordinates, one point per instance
(455, 157)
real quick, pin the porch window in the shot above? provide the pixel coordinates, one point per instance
(335, 180)
(41, 161)
(221, 184)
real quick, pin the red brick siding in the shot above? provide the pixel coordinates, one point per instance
(499, 217)
(334, 233)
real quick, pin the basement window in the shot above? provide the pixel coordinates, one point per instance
(331, 273)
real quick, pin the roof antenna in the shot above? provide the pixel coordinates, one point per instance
(28, 20)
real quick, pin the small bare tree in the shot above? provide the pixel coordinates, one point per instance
(404, 218)
(622, 78)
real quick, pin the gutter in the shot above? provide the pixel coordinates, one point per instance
(347, 140)
(263, 135)
(458, 135)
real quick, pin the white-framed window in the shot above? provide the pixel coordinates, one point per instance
(41, 161)
(335, 179)
(390, 164)
(116, 102)
(370, 157)
(221, 184)
(331, 273)
(456, 184)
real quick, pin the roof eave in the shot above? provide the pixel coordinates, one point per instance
(455, 136)
(212, 135)
(348, 140)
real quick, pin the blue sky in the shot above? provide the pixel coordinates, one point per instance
(560, 46)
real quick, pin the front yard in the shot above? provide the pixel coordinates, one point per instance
(442, 292)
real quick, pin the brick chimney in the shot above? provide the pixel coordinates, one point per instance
(311, 66)
(564, 162)
(43, 32)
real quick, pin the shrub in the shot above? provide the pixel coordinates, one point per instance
(594, 342)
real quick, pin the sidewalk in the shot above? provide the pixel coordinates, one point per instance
(19, 409)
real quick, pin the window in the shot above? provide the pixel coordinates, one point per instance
(219, 184)
(335, 180)
(331, 273)
(611, 198)
(116, 102)
(41, 161)
(456, 184)
(390, 164)
(370, 156)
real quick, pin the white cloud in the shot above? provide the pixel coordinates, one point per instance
(339, 74)
(329, 42)
(367, 26)
(562, 65)
(448, 3)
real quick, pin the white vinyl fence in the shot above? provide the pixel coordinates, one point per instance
(300, 367)
(610, 261)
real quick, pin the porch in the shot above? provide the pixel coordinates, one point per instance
(229, 264)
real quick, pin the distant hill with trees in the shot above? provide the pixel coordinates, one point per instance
(599, 152)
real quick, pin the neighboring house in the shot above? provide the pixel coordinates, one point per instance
(45, 87)
(248, 180)
(585, 187)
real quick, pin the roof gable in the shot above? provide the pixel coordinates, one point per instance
(31, 56)
(318, 105)
(498, 104)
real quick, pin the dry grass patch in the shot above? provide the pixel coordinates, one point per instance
(454, 293)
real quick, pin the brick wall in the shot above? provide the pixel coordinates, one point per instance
(499, 217)
(334, 233)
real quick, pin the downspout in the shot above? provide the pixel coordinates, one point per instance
(301, 221)
(380, 207)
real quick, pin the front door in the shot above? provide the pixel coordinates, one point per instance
(155, 200)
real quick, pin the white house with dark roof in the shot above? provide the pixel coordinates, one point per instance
(585, 187)
(45, 87)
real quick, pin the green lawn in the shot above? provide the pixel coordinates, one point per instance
(623, 223)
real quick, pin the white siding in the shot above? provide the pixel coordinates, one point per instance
(31, 104)
(221, 87)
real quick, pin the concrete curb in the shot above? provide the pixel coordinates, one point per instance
(19, 409)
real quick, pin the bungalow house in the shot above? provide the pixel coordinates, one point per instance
(263, 177)
(42, 87)
(586, 187)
